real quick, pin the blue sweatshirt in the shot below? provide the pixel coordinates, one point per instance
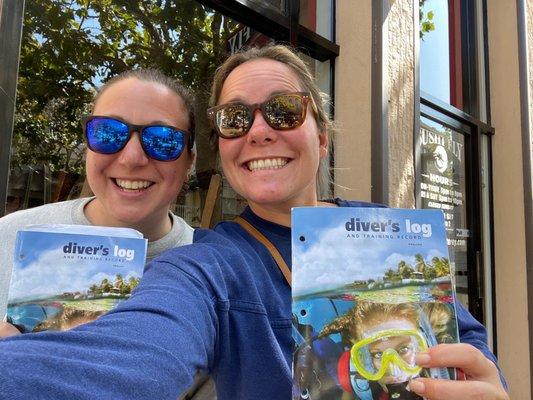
(220, 305)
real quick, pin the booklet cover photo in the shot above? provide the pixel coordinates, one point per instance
(372, 287)
(66, 275)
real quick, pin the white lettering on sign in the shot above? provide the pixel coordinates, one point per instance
(431, 137)
(238, 40)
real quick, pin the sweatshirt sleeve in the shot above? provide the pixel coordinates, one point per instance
(149, 347)
(471, 331)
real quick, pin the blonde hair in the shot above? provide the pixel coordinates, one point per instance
(68, 318)
(287, 56)
(439, 317)
(366, 314)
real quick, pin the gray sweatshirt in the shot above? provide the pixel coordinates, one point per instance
(68, 212)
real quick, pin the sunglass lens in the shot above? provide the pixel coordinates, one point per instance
(106, 135)
(233, 120)
(163, 143)
(284, 111)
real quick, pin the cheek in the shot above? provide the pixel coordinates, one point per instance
(228, 151)
(174, 175)
(310, 146)
(94, 165)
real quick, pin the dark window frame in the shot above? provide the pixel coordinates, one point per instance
(278, 26)
(469, 116)
(526, 154)
(11, 19)
(473, 130)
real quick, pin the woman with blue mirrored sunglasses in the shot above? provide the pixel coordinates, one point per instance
(109, 135)
(135, 172)
(140, 148)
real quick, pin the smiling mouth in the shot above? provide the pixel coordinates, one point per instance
(132, 185)
(266, 163)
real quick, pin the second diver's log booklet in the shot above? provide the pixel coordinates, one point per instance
(371, 288)
(66, 275)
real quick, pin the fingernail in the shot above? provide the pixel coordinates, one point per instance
(416, 386)
(422, 359)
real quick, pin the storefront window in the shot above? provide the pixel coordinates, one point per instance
(316, 15)
(69, 49)
(275, 5)
(440, 50)
(442, 186)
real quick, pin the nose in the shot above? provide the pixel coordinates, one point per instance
(133, 155)
(260, 132)
(394, 370)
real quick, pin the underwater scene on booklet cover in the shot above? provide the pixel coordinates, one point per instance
(62, 280)
(372, 287)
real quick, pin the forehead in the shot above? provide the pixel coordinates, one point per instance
(142, 102)
(395, 323)
(255, 80)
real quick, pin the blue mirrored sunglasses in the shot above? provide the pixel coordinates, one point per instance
(108, 135)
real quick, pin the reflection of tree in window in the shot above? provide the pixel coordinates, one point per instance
(70, 47)
(426, 20)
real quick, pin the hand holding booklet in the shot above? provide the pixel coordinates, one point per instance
(67, 275)
(372, 288)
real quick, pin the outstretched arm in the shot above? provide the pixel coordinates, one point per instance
(149, 347)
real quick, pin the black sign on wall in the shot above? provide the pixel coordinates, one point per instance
(442, 186)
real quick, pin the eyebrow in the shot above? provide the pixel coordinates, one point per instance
(154, 122)
(239, 99)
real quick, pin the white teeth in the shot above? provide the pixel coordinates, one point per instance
(267, 163)
(132, 185)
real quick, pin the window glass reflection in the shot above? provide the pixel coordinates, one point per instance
(442, 186)
(316, 15)
(70, 48)
(280, 6)
(435, 49)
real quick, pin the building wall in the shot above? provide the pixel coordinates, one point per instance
(353, 88)
(509, 234)
(353, 100)
(400, 75)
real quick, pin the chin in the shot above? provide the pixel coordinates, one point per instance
(129, 218)
(274, 201)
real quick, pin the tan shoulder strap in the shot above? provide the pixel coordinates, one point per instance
(282, 265)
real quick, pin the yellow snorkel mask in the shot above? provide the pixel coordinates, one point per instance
(388, 352)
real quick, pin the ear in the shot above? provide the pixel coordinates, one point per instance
(192, 160)
(323, 143)
(192, 155)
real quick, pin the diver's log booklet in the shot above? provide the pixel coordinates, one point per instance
(371, 288)
(66, 275)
